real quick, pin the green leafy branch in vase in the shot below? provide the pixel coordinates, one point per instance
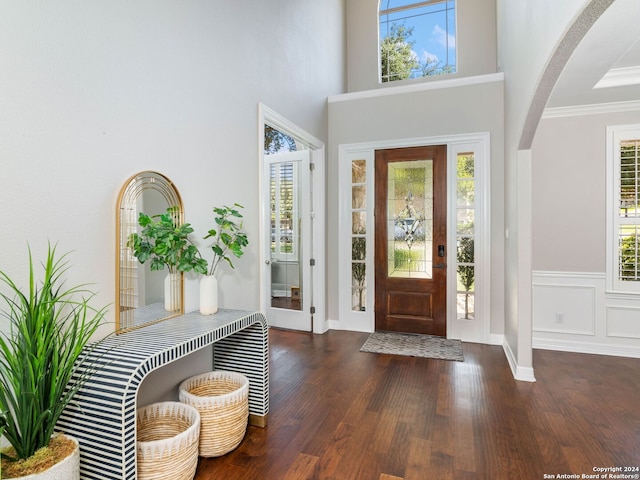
(229, 237)
(165, 242)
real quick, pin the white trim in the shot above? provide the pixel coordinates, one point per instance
(418, 87)
(470, 330)
(591, 348)
(317, 147)
(619, 77)
(563, 275)
(365, 321)
(524, 374)
(594, 109)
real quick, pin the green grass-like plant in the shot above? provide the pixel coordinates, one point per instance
(40, 357)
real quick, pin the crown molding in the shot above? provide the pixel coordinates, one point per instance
(620, 77)
(595, 109)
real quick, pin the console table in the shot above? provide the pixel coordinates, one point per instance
(103, 415)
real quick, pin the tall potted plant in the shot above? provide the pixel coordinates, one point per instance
(229, 239)
(165, 242)
(50, 327)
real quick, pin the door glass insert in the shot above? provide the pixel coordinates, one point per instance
(410, 219)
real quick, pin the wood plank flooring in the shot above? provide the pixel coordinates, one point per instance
(337, 413)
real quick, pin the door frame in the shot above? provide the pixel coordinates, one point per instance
(316, 148)
(365, 321)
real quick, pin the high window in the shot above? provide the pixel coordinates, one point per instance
(417, 39)
(623, 213)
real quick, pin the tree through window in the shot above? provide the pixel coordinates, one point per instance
(417, 39)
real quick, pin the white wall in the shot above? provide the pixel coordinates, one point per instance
(569, 191)
(92, 92)
(475, 42)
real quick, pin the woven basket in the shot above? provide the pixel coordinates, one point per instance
(167, 446)
(222, 398)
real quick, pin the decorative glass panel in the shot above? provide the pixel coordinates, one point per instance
(358, 171)
(410, 219)
(358, 239)
(358, 197)
(359, 222)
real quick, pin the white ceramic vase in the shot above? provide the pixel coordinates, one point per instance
(67, 469)
(208, 295)
(172, 292)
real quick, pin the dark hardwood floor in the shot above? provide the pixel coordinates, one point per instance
(337, 413)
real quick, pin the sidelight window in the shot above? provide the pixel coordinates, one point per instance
(358, 235)
(465, 235)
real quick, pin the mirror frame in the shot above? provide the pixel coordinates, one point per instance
(126, 212)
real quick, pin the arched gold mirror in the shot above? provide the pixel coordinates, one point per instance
(141, 295)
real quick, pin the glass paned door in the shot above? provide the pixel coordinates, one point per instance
(288, 240)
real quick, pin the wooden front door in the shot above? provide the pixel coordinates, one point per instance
(410, 239)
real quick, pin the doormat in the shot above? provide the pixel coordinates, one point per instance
(412, 345)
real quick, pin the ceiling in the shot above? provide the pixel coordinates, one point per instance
(608, 57)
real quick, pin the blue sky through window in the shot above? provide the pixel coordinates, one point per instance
(434, 28)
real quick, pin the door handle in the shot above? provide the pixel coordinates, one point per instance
(440, 265)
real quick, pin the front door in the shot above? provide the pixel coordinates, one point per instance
(411, 239)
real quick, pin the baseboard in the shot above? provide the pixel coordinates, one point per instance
(524, 374)
(586, 347)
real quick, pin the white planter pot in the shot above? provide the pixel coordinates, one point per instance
(67, 469)
(172, 292)
(208, 295)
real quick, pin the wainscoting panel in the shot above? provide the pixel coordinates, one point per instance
(565, 309)
(572, 312)
(623, 321)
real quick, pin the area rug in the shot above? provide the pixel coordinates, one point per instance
(411, 345)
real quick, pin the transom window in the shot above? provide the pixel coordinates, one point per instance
(417, 39)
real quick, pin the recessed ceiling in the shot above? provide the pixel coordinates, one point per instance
(605, 67)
